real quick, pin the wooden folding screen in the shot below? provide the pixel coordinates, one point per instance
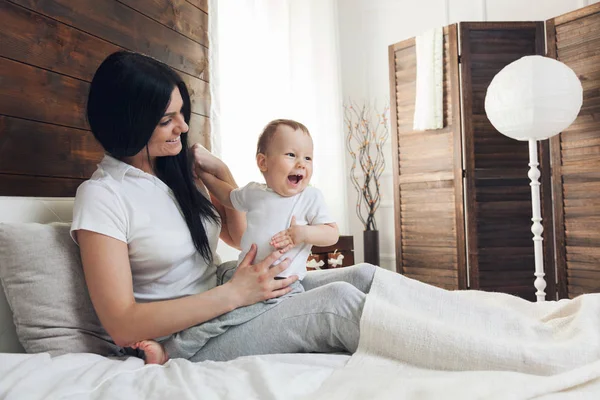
(431, 229)
(574, 39)
(428, 188)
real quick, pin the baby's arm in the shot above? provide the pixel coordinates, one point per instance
(315, 235)
(322, 235)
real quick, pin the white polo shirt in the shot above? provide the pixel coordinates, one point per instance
(268, 213)
(137, 208)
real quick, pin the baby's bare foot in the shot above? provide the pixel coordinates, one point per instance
(154, 352)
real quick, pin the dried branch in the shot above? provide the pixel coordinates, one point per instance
(365, 137)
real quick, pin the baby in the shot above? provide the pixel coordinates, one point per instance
(285, 213)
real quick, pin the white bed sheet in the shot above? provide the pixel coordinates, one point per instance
(89, 376)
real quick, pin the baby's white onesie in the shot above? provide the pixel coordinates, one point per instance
(269, 213)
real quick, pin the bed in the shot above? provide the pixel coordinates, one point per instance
(417, 342)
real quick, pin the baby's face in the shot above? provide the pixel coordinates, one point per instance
(287, 164)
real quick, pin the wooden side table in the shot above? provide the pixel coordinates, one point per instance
(344, 246)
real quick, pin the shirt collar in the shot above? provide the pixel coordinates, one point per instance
(118, 169)
(115, 168)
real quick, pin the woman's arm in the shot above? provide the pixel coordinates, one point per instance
(109, 281)
(207, 164)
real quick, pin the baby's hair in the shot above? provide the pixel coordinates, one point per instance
(267, 134)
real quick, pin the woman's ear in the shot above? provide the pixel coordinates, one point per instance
(261, 161)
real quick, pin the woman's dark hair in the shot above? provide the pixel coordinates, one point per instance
(128, 97)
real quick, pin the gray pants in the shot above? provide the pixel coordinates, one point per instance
(320, 316)
(186, 343)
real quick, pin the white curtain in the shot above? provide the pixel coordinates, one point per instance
(278, 59)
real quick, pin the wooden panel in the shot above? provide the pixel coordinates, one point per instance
(427, 174)
(199, 130)
(125, 27)
(199, 92)
(201, 4)
(179, 15)
(498, 198)
(43, 42)
(574, 39)
(40, 95)
(580, 13)
(50, 150)
(34, 186)
(394, 102)
(33, 93)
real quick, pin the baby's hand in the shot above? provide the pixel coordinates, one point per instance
(289, 238)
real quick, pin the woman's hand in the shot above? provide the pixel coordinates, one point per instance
(252, 283)
(205, 161)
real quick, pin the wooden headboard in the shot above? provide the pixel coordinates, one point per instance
(50, 51)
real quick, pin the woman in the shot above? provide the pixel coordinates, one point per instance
(147, 236)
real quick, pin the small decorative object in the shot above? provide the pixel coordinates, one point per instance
(367, 131)
(531, 99)
(344, 245)
(314, 262)
(335, 259)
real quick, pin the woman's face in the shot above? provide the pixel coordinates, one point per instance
(166, 138)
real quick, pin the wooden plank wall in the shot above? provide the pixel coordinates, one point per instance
(50, 51)
(427, 166)
(498, 201)
(574, 39)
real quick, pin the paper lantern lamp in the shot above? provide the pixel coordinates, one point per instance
(531, 99)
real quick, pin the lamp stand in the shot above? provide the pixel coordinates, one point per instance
(536, 227)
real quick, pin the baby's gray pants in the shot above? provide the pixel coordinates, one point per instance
(322, 315)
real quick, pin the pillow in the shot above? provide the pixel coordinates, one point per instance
(9, 342)
(42, 276)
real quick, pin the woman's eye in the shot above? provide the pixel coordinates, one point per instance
(165, 123)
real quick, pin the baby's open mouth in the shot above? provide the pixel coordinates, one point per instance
(295, 179)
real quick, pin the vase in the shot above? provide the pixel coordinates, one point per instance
(371, 246)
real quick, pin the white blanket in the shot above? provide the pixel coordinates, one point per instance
(89, 376)
(418, 341)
